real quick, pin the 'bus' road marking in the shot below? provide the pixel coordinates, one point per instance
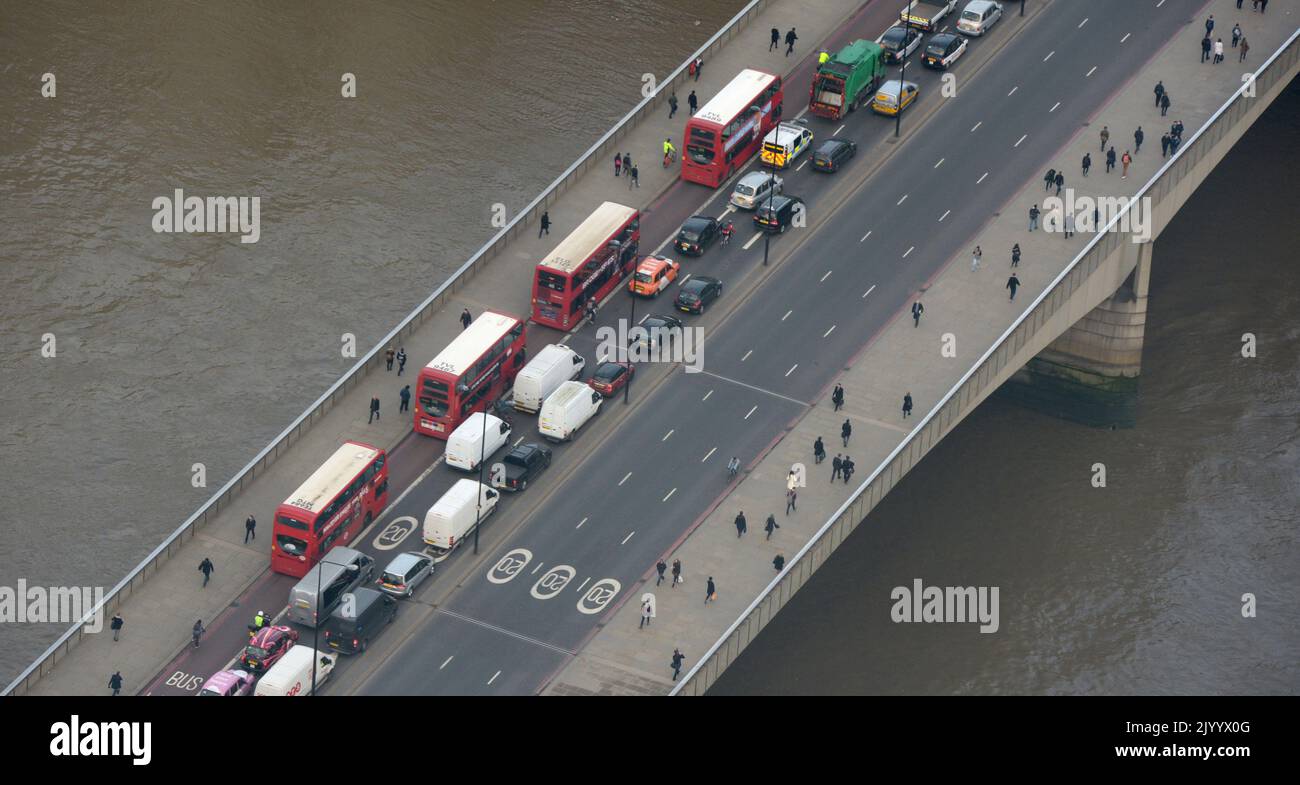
(1090, 70)
(579, 526)
(824, 277)
(792, 367)
(706, 396)
(629, 474)
(494, 678)
(1021, 139)
(1085, 19)
(708, 454)
(1013, 91)
(670, 494)
(941, 160)
(1049, 54)
(977, 125)
(447, 661)
(977, 182)
(746, 357)
(752, 240)
(1054, 106)
(900, 201)
(1125, 38)
(864, 237)
(628, 537)
(908, 251)
(787, 315)
(584, 583)
(751, 411)
(837, 130)
(945, 215)
(828, 332)
(666, 435)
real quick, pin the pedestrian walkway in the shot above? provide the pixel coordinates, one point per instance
(973, 304)
(161, 611)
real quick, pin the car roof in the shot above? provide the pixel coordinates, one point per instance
(653, 263)
(944, 38)
(780, 201)
(755, 177)
(699, 219)
(830, 143)
(977, 5)
(701, 279)
(403, 560)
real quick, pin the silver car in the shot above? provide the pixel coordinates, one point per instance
(753, 188)
(405, 572)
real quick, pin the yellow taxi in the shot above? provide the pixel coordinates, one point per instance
(653, 275)
(893, 97)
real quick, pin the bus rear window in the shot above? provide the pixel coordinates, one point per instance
(434, 407)
(292, 523)
(291, 545)
(550, 281)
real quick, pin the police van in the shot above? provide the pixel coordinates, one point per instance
(785, 143)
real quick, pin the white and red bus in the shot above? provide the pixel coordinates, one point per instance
(730, 128)
(336, 502)
(469, 374)
(590, 263)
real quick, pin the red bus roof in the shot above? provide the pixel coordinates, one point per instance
(590, 236)
(735, 97)
(472, 343)
(333, 476)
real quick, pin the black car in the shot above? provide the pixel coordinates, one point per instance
(697, 234)
(659, 330)
(943, 50)
(833, 154)
(893, 42)
(777, 214)
(697, 293)
(522, 464)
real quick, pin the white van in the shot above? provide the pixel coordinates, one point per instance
(465, 445)
(291, 676)
(452, 517)
(552, 366)
(567, 409)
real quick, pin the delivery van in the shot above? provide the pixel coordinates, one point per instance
(452, 517)
(567, 410)
(342, 570)
(465, 445)
(291, 676)
(552, 366)
(358, 619)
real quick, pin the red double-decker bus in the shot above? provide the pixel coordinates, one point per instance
(590, 263)
(469, 374)
(336, 502)
(730, 128)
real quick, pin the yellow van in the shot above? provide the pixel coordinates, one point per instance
(887, 98)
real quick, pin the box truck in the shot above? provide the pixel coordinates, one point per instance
(847, 80)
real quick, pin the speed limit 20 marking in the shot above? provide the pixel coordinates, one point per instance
(509, 565)
(395, 533)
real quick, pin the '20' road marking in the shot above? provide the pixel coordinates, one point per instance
(395, 533)
(554, 581)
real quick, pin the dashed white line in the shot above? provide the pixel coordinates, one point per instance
(670, 494)
(869, 291)
(628, 537)
(864, 237)
(751, 411)
(977, 182)
(787, 315)
(585, 581)
(1049, 54)
(643, 318)
(801, 166)
(1013, 91)
(1125, 38)
(908, 251)
(977, 125)
(629, 474)
(706, 396)
(827, 275)
(746, 357)
(1021, 139)
(520, 439)
(841, 128)
(494, 678)
(666, 435)
(1162, 2)
(684, 280)
(446, 662)
(579, 526)
(708, 454)
(945, 214)
(900, 201)
(1090, 70)
(752, 240)
(792, 367)
(538, 567)
(1054, 107)
(1085, 19)
(940, 163)
(566, 338)
(828, 332)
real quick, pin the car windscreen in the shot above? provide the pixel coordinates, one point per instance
(937, 48)
(971, 16)
(745, 190)
(644, 277)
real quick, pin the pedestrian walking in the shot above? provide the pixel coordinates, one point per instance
(1206, 48)
(1241, 52)
(710, 592)
(693, 102)
(1126, 160)
(545, 226)
(837, 397)
(405, 395)
(1263, 6)
(1159, 91)
(1209, 25)
(698, 65)
(374, 410)
(1164, 98)
(1105, 136)
(677, 663)
(975, 257)
(1013, 283)
(634, 178)
(1069, 225)
(1110, 160)
(677, 572)
(206, 567)
(836, 466)
(618, 162)
(1218, 51)
(741, 525)
(672, 104)
(250, 529)
(846, 430)
(791, 496)
(115, 624)
(779, 562)
(645, 614)
(819, 451)
(388, 359)
(196, 632)
(847, 469)
(907, 405)
(790, 38)
(627, 163)
(771, 525)
(1033, 218)
(1048, 179)
(660, 568)
(776, 39)
(1015, 255)
(115, 682)
(401, 360)
(1164, 145)
(1138, 136)
(1236, 34)
(1087, 163)
(1060, 181)
(917, 310)
(465, 319)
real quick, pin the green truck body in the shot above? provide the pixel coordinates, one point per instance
(847, 80)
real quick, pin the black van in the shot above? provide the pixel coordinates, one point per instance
(351, 626)
(776, 214)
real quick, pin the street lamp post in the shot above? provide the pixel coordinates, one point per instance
(315, 638)
(631, 322)
(902, 77)
(482, 460)
(1022, 7)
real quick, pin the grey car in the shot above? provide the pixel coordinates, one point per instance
(405, 572)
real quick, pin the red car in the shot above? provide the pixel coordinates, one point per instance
(610, 377)
(266, 647)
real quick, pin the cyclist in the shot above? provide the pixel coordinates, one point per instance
(728, 229)
(733, 466)
(669, 151)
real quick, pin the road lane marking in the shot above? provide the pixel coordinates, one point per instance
(837, 130)
(628, 537)
(684, 280)
(751, 411)
(584, 583)
(579, 526)
(1090, 70)
(801, 166)
(538, 567)
(828, 332)
(792, 367)
(629, 474)
(746, 357)
(1013, 91)
(824, 277)
(706, 396)
(977, 182)
(520, 439)
(494, 678)
(1021, 139)
(566, 338)
(900, 201)
(864, 237)
(643, 318)
(1162, 2)
(1049, 54)
(1054, 107)
(708, 454)
(787, 315)
(869, 291)
(1125, 38)
(908, 251)
(504, 631)
(755, 389)
(1085, 19)
(945, 215)
(731, 208)
(446, 662)
(752, 240)
(670, 494)
(940, 163)
(666, 435)
(977, 125)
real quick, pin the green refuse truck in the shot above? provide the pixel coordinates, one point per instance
(846, 80)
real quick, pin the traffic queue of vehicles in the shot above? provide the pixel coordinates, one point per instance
(460, 393)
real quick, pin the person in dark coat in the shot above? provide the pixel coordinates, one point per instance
(115, 682)
(207, 568)
(819, 451)
(836, 466)
(790, 38)
(466, 319)
(907, 401)
(545, 226)
(709, 591)
(776, 39)
(692, 102)
(771, 525)
(1013, 283)
(677, 663)
(741, 526)
(661, 568)
(779, 562)
(1060, 181)
(1110, 160)
(1159, 91)
(1164, 104)
(116, 625)
(846, 430)
(1087, 163)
